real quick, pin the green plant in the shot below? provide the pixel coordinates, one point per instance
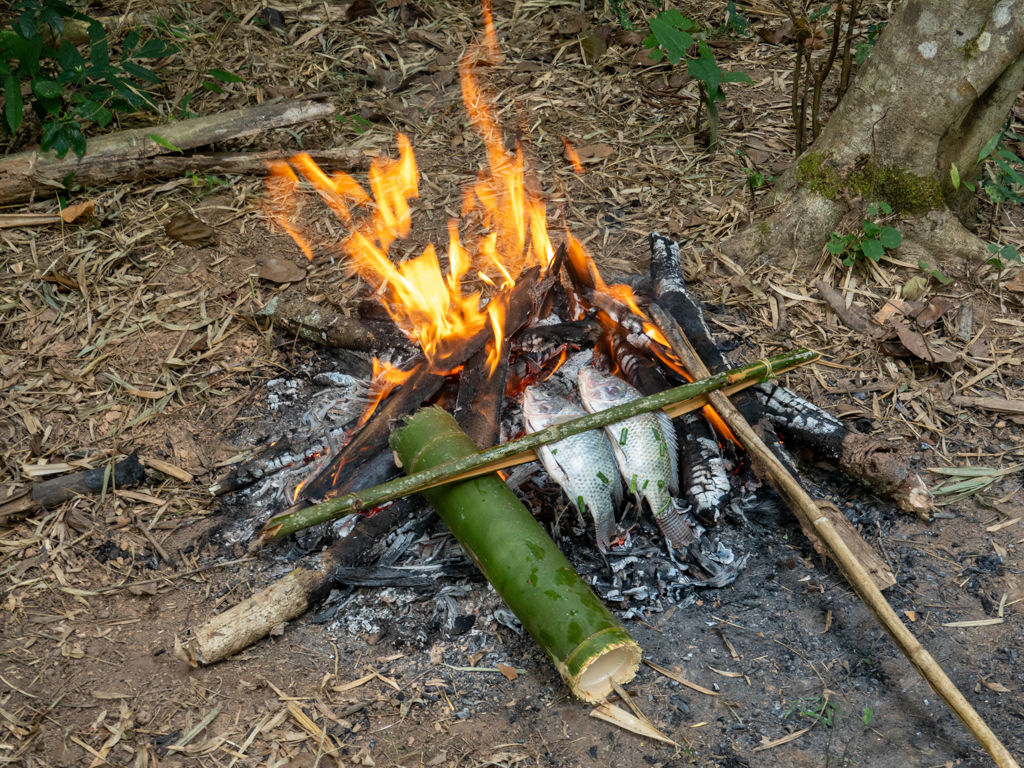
(868, 716)
(69, 92)
(709, 77)
(222, 76)
(735, 21)
(871, 243)
(867, 45)
(1001, 255)
(934, 273)
(359, 123)
(670, 36)
(817, 708)
(1006, 185)
(624, 20)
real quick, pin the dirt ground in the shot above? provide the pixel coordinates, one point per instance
(115, 337)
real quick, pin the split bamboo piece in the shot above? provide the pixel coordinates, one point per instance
(675, 401)
(591, 650)
(805, 508)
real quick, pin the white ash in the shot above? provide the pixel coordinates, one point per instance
(802, 414)
(282, 392)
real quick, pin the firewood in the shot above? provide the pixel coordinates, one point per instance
(296, 316)
(253, 619)
(674, 401)
(126, 155)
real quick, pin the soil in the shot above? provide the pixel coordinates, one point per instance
(150, 349)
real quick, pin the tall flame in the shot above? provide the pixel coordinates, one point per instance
(434, 310)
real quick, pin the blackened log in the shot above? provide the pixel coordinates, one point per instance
(294, 316)
(127, 473)
(874, 464)
(704, 479)
(542, 338)
(481, 393)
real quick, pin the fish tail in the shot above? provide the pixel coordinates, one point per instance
(675, 527)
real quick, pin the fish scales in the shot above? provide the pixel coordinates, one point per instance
(644, 446)
(583, 465)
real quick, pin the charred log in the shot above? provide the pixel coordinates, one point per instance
(543, 338)
(481, 394)
(297, 317)
(874, 464)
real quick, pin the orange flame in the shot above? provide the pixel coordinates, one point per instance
(434, 310)
(385, 377)
(572, 157)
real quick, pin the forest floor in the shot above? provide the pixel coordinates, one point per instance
(115, 337)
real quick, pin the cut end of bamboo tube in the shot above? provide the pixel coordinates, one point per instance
(609, 658)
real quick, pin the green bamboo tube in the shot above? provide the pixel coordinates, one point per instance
(587, 645)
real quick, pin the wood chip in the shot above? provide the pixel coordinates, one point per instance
(168, 469)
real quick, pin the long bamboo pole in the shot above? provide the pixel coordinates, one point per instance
(803, 505)
(487, 461)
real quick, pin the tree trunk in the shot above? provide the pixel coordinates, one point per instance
(938, 85)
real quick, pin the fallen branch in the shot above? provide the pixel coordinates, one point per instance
(124, 156)
(296, 316)
(811, 512)
(127, 473)
(511, 453)
(253, 619)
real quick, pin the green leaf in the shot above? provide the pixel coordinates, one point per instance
(77, 141)
(99, 53)
(154, 49)
(954, 174)
(50, 17)
(989, 146)
(848, 261)
(650, 42)
(970, 186)
(870, 228)
(1009, 253)
(890, 237)
(69, 58)
(1012, 173)
(873, 249)
(736, 77)
(46, 89)
(706, 70)
(656, 55)
(61, 144)
(14, 109)
(213, 87)
(27, 25)
(225, 77)
(129, 44)
(140, 72)
(671, 39)
(50, 131)
(162, 142)
(835, 247)
(676, 19)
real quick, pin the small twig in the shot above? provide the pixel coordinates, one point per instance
(844, 76)
(154, 543)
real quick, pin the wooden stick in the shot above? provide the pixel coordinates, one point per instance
(119, 156)
(351, 503)
(804, 506)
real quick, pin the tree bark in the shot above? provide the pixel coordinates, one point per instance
(938, 85)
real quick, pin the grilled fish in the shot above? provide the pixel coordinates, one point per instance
(582, 464)
(644, 446)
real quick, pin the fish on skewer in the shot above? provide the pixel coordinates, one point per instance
(645, 450)
(582, 464)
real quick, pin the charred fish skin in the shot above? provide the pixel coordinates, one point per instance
(583, 465)
(644, 446)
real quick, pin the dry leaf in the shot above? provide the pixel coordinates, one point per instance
(594, 152)
(72, 212)
(911, 615)
(997, 687)
(281, 271)
(620, 717)
(936, 308)
(143, 589)
(509, 672)
(360, 9)
(628, 37)
(915, 288)
(593, 48)
(436, 655)
(418, 35)
(919, 347)
(1017, 284)
(187, 229)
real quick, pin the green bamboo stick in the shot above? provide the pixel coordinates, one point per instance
(352, 503)
(587, 645)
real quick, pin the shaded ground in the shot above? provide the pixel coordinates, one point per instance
(153, 353)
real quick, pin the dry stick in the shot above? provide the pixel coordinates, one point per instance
(844, 75)
(445, 473)
(119, 156)
(820, 75)
(804, 506)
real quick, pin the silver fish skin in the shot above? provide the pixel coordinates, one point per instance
(582, 464)
(644, 446)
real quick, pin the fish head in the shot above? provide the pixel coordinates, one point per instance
(603, 388)
(541, 409)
